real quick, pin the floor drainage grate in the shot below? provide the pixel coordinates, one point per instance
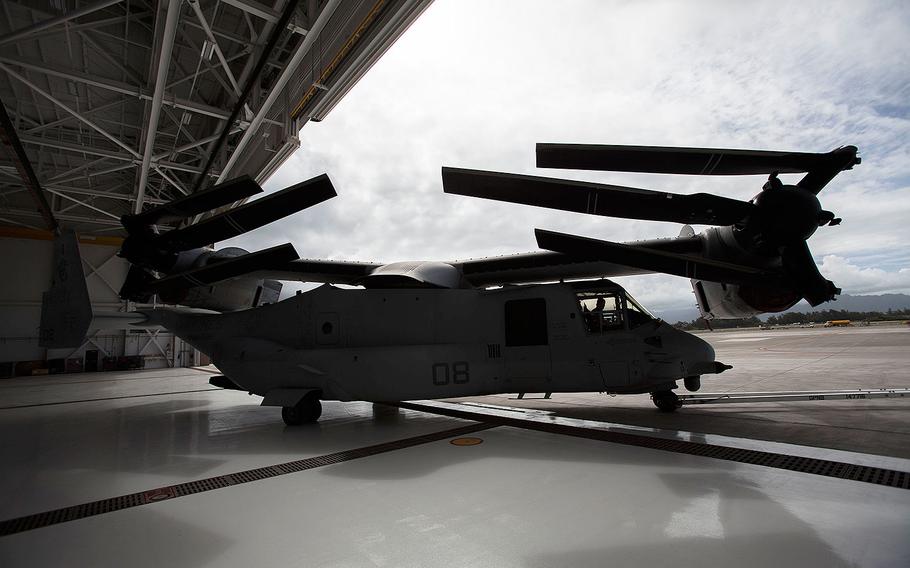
(827, 468)
(47, 518)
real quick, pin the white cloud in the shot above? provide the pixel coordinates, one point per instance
(659, 292)
(858, 280)
(476, 84)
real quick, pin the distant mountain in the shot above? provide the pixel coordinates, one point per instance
(871, 303)
(677, 314)
(877, 303)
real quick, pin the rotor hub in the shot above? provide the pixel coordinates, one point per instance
(786, 214)
(143, 252)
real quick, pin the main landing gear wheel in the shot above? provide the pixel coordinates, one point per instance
(666, 401)
(307, 411)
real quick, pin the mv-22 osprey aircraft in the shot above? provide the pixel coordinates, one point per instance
(424, 330)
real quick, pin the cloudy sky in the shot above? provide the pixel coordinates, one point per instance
(476, 84)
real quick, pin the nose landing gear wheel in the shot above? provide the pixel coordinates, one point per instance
(307, 411)
(666, 401)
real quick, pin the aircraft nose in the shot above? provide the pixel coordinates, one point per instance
(704, 349)
(687, 345)
(677, 354)
(698, 356)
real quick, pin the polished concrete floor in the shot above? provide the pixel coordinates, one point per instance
(520, 497)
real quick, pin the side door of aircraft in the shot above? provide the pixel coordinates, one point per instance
(526, 349)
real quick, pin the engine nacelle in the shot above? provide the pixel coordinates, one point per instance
(731, 301)
(227, 296)
(230, 295)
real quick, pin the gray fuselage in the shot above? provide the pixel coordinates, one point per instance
(405, 344)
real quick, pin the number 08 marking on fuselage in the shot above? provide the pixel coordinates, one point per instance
(459, 372)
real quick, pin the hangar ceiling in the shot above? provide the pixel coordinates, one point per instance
(115, 105)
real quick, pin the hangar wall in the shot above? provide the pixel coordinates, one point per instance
(27, 265)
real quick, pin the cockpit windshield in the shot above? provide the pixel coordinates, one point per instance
(638, 315)
(609, 310)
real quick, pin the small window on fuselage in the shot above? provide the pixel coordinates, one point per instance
(526, 322)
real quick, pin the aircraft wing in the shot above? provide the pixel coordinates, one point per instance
(540, 266)
(316, 270)
(543, 266)
(530, 267)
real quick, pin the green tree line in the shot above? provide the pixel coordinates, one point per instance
(828, 315)
(791, 318)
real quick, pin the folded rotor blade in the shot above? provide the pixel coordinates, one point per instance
(653, 260)
(317, 270)
(196, 203)
(801, 268)
(595, 198)
(670, 160)
(841, 159)
(225, 269)
(250, 216)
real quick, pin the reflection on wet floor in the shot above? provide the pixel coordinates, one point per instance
(519, 498)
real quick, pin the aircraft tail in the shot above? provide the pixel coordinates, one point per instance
(66, 312)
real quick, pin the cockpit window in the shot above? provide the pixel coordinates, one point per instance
(607, 311)
(636, 313)
(601, 311)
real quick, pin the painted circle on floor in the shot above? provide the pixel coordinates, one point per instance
(466, 441)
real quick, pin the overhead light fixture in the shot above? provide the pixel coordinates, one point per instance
(208, 49)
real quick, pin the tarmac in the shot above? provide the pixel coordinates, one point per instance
(777, 359)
